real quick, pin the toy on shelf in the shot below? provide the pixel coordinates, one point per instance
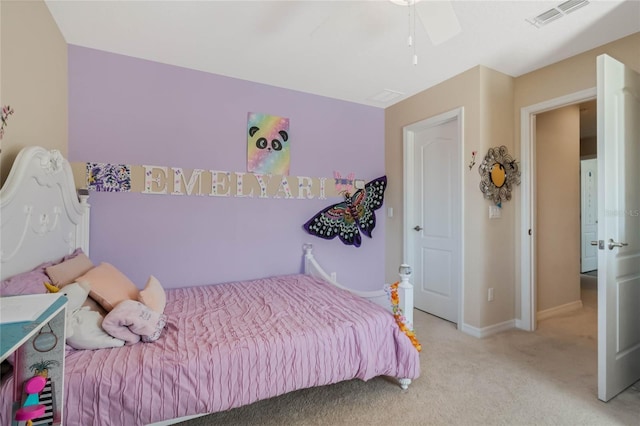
(32, 409)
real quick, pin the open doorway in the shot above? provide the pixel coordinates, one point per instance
(589, 208)
(566, 299)
(588, 188)
(566, 190)
(557, 194)
(558, 166)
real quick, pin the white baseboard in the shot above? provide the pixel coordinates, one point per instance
(520, 324)
(488, 331)
(558, 310)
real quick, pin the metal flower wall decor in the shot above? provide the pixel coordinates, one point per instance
(499, 172)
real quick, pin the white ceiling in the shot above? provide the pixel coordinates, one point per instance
(349, 50)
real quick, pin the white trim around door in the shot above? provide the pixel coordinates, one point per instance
(409, 133)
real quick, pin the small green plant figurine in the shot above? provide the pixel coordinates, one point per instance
(42, 367)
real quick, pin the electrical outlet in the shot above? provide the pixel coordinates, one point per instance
(490, 295)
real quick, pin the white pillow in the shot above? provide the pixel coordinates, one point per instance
(90, 335)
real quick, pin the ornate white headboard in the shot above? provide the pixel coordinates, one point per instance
(41, 217)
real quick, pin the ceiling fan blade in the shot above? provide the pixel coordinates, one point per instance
(439, 20)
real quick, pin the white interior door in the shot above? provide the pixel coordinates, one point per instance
(618, 227)
(588, 214)
(435, 219)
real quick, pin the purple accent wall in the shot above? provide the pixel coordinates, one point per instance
(133, 111)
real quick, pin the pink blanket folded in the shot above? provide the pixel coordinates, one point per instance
(131, 321)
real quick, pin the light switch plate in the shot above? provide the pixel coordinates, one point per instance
(494, 212)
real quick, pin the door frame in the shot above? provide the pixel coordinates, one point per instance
(528, 114)
(408, 137)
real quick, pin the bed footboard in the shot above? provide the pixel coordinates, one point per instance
(404, 383)
(379, 297)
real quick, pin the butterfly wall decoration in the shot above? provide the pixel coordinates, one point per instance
(350, 217)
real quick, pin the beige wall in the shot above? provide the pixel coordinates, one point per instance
(33, 80)
(487, 99)
(497, 242)
(558, 207)
(492, 104)
(571, 75)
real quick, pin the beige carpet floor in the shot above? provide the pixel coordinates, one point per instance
(548, 377)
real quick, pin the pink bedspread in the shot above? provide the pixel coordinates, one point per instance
(233, 344)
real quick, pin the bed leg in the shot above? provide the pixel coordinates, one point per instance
(404, 383)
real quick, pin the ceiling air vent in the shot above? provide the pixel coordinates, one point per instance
(386, 95)
(572, 5)
(557, 12)
(546, 17)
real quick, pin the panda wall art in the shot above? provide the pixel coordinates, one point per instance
(268, 144)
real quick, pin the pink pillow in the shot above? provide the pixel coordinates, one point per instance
(109, 286)
(31, 282)
(66, 272)
(153, 295)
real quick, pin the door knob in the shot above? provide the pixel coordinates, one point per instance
(418, 228)
(613, 244)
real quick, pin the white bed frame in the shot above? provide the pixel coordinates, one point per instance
(43, 218)
(379, 297)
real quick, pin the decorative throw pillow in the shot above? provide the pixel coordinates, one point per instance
(162, 322)
(66, 272)
(94, 306)
(153, 295)
(109, 286)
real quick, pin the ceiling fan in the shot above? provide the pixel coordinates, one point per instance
(362, 22)
(438, 18)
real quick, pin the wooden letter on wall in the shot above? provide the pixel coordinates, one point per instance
(155, 180)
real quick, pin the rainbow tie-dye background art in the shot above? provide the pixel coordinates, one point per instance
(268, 144)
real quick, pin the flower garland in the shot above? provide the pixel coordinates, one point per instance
(403, 323)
